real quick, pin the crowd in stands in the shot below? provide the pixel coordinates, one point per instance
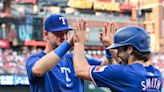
(13, 62)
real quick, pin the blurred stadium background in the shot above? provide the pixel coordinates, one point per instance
(21, 26)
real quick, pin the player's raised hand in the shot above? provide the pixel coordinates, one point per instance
(107, 34)
(80, 33)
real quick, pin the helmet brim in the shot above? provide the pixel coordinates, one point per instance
(60, 29)
(114, 46)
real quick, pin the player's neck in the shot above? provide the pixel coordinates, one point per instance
(133, 59)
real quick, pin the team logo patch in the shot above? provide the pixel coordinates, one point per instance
(63, 20)
(99, 68)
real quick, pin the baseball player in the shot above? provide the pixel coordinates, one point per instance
(52, 70)
(132, 45)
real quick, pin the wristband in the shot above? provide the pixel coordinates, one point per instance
(108, 54)
(62, 49)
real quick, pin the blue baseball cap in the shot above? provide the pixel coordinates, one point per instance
(56, 23)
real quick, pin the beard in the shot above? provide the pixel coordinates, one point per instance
(55, 44)
(124, 60)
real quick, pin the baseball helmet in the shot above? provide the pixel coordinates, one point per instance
(132, 35)
(55, 23)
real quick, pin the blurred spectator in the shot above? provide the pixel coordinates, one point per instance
(13, 62)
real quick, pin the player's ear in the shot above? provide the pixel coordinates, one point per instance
(45, 35)
(130, 49)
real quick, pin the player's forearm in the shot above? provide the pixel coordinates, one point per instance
(45, 64)
(80, 63)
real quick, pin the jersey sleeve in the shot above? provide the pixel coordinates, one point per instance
(105, 76)
(93, 61)
(29, 64)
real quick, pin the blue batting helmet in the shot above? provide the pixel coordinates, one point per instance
(56, 22)
(132, 35)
